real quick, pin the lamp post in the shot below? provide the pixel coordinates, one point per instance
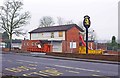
(86, 23)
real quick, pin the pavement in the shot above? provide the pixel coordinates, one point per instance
(43, 55)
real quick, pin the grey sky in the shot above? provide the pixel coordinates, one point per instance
(103, 13)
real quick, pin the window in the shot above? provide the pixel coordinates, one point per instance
(52, 34)
(42, 33)
(61, 34)
(72, 44)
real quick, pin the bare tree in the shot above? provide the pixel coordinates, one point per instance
(60, 21)
(69, 22)
(46, 21)
(11, 18)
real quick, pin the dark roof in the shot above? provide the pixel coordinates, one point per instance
(55, 28)
(90, 40)
(16, 41)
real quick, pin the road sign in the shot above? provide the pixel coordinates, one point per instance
(86, 21)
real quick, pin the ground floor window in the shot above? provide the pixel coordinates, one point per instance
(72, 44)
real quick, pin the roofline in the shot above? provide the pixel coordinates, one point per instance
(59, 30)
(47, 31)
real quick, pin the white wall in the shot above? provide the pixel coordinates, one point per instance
(17, 45)
(47, 36)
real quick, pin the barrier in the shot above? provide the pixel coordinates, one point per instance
(82, 50)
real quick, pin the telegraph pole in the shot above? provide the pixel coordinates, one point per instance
(86, 23)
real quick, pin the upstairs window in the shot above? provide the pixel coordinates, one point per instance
(61, 34)
(52, 34)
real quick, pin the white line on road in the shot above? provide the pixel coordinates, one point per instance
(50, 67)
(73, 71)
(77, 68)
(27, 61)
(95, 75)
(68, 67)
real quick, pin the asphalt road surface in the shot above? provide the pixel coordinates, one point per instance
(19, 65)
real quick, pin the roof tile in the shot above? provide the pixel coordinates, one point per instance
(55, 28)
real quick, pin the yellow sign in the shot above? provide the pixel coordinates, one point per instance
(86, 21)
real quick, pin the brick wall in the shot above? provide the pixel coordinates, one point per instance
(71, 35)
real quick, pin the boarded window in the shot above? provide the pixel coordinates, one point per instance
(60, 34)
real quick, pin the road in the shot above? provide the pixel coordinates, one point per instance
(19, 65)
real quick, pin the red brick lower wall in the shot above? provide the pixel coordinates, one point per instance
(90, 56)
(113, 52)
(5, 49)
(66, 47)
(72, 35)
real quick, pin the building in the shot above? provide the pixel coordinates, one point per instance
(91, 44)
(0, 40)
(16, 44)
(0, 37)
(102, 46)
(63, 38)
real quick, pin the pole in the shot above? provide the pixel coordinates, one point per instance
(86, 40)
(86, 23)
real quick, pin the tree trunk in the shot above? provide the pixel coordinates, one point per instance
(10, 38)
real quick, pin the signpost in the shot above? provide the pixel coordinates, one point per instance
(86, 23)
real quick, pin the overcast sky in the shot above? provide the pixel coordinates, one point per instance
(103, 13)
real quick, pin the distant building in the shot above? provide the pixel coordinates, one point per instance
(102, 46)
(64, 38)
(0, 40)
(16, 43)
(2, 44)
(91, 44)
(0, 37)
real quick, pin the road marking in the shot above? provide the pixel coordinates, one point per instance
(73, 71)
(50, 67)
(64, 66)
(32, 65)
(34, 73)
(11, 70)
(47, 72)
(100, 76)
(20, 69)
(27, 61)
(51, 72)
(95, 75)
(77, 68)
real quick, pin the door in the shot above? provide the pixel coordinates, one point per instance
(57, 46)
